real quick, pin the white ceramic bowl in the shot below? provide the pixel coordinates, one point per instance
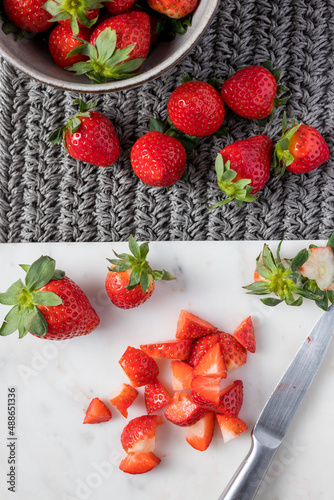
(31, 57)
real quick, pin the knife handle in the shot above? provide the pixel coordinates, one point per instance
(248, 478)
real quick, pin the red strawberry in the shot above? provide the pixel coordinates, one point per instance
(211, 363)
(139, 367)
(62, 41)
(49, 304)
(252, 91)
(138, 435)
(28, 15)
(170, 349)
(244, 333)
(130, 280)
(74, 14)
(231, 427)
(233, 352)
(156, 396)
(230, 399)
(97, 412)
(199, 435)
(205, 390)
(196, 108)
(158, 159)
(139, 463)
(173, 8)
(89, 136)
(243, 168)
(182, 375)
(200, 347)
(123, 398)
(190, 326)
(183, 411)
(118, 6)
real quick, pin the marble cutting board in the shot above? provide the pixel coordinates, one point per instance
(59, 458)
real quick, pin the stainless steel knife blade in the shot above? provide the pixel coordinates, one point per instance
(278, 412)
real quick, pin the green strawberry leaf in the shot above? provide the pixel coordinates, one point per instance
(270, 301)
(12, 295)
(11, 322)
(330, 242)
(145, 280)
(144, 249)
(156, 125)
(35, 323)
(258, 288)
(134, 248)
(300, 259)
(46, 299)
(40, 273)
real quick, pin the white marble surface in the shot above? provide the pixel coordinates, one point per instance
(59, 458)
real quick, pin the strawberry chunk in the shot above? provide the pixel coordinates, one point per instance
(206, 389)
(200, 347)
(139, 463)
(156, 396)
(182, 375)
(231, 398)
(244, 333)
(170, 349)
(231, 427)
(123, 398)
(190, 326)
(211, 363)
(199, 435)
(97, 412)
(139, 434)
(183, 411)
(139, 367)
(233, 352)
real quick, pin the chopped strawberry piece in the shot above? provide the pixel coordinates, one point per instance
(211, 363)
(190, 326)
(199, 435)
(206, 388)
(231, 398)
(231, 427)
(139, 367)
(233, 352)
(139, 434)
(183, 411)
(244, 333)
(171, 349)
(139, 463)
(156, 396)
(97, 412)
(200, 347)
(182, 375)
(123, 398)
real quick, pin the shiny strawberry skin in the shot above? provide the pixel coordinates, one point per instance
(139, 463)
(73, 318)
(118, 6)
(156, 396)
(173, 8)
(97, 412)
(28, 14)
(139, 367)
(62, 41)
(170, 349)
(140, 432)
(309, 150)
(200, 347)
(116, 283)
(95, 141)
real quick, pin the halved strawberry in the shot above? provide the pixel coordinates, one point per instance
(206, 389)
(97, 412)
(233, 352)
(231, 427)
(156, 396)
(200, 346)
(211, 363)
(244, 333)
(123, 398)
(183, 411)
(182, 375)
(199, 435)
(171, 349)
(230, 399)
(139, 463)
(190, 326)
(139, 367)
(139, 434)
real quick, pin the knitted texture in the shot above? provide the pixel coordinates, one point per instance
(45, 195)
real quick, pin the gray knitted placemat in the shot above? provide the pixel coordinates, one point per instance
(45, 195)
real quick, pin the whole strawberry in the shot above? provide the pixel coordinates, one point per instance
(173, 8)
(130, 280)
(118, 6)
(62, 42)
(196, 108)
(243, 168)
(89, 136)
(76, 14)
(48, 304)
(252, 92)
(28, 15)
(301, 149)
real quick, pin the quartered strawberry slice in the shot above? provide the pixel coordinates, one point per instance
(244, 333)
(156, 396)
(139, 434)
(230, 399)
(97, 412)
(211, 363)
(182, 375)
(170, 349)
(200, 346)
(190, 326)
(139, 463)
(123, 398)
(139, 367)
(205, 390)
(183, 411)
(231, 427)
(199, 435)
(233, 352)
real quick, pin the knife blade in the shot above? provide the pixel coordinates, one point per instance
(278, 412)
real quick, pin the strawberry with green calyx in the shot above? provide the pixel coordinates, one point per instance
(62, 41)
(76, 13)
(47, 304)
(301, 149)
(89, 136)
(117, 48)
(243, 169)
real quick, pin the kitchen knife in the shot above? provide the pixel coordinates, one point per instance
(278, 412)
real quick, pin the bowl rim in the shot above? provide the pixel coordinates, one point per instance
(132, 82)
